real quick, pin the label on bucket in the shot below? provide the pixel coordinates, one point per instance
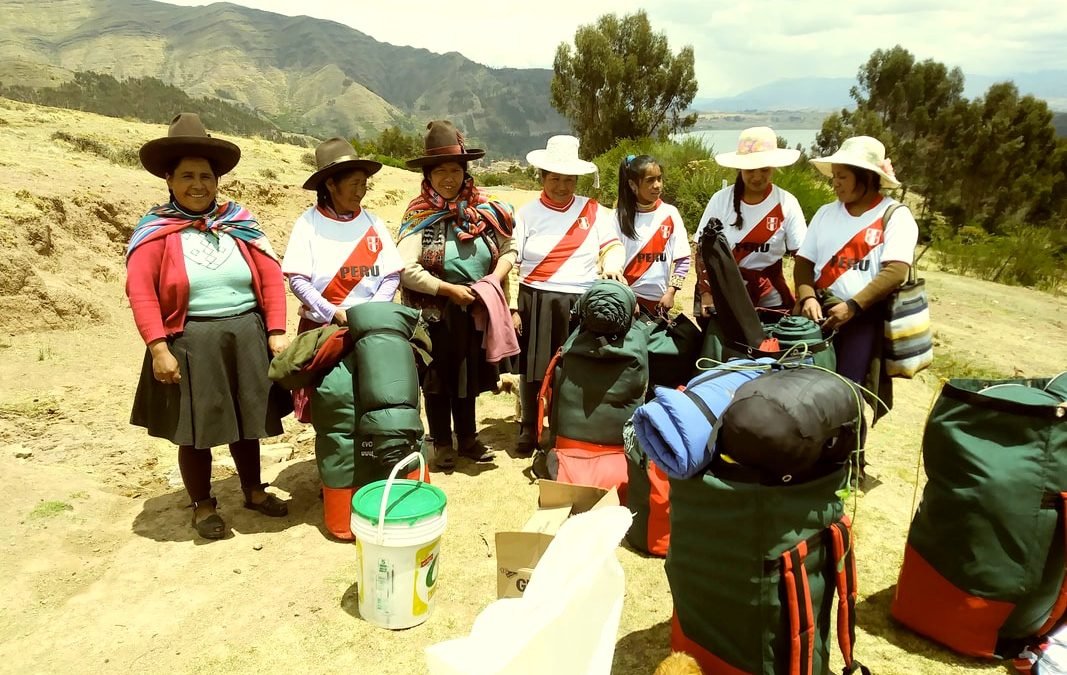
(426, 560)
(383, 586)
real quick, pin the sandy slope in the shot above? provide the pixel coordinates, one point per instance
(102, 573)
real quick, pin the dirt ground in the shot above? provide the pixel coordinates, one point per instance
(102, 571)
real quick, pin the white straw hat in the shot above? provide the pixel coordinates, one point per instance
(560, 155)
(864, 152)
(757, 148)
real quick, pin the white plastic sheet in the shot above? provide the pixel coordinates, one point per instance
(566, 621)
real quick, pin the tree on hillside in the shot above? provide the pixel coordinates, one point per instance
(1005, 164)
(622, 81)
(991, 171)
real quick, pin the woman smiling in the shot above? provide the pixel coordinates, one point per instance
(455, 243)
(207, 296)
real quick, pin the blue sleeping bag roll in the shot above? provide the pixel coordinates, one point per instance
(676, 427)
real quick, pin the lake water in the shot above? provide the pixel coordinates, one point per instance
(725, 140)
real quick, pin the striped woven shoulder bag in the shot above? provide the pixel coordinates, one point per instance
(909, 344)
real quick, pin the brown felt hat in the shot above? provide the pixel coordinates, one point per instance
(187, 137)
(444, 143)
(336, 155)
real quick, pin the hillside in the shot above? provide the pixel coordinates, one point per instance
(102, 571)
(308, 75)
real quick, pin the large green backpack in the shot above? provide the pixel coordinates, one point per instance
(597, 379)
(753, 570)
(983, 569)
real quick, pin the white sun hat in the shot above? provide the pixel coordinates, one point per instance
(864, 152)
(757, 148)
(560, 155)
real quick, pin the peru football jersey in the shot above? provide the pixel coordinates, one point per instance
(559, 248)
(769, 229)
(848, 251)
(346, 261)
(661, 239)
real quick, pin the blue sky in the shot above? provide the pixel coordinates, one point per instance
(738, 44)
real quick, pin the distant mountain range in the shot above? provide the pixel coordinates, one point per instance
(307, 75)
(831, 93)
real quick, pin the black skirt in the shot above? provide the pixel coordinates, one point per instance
(547, 322)
(224, 394)
(459, 367)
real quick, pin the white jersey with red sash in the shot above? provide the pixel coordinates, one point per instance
(848, 251)
(559, 248)
(769, 229)
(346, 261)
(661, 239)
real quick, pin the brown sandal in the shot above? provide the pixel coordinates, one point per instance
(212, 526)
(476, 450)
(271, 506)
(444, 456)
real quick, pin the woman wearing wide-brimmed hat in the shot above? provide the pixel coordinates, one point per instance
(851, 260)
(762, 221)
(457, 248)
(208, 299)
(339, 254)
(565, 243)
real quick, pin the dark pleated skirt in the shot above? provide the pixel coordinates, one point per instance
(547, 321)
(459, 367)
(224, 394)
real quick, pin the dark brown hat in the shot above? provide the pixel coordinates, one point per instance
(444, 143)
(187, 137)
(336, 155)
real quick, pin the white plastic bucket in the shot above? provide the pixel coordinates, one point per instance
(399, 550)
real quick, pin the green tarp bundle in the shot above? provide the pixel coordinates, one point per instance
(366, 410)
(753, 570)
(983, 569)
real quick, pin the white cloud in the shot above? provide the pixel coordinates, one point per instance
(737, 45)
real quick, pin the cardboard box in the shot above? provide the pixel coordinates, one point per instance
(517, 553)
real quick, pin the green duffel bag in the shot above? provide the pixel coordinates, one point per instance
(674, 345)
(798, 338)
(753, 570)
(334, 423)
(984, 564)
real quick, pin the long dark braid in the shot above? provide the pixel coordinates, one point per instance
(739, 193)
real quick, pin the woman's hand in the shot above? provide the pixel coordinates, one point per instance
(707, 303)
(811, 308)
(839, 315)
(457, 293)
(666, 303)
(164, 365)
(340, 317)
(277, 343)
(516, 320)
(615, 276)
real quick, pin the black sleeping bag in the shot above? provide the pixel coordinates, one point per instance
(792, 424)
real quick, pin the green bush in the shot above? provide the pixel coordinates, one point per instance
(1025, 256)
